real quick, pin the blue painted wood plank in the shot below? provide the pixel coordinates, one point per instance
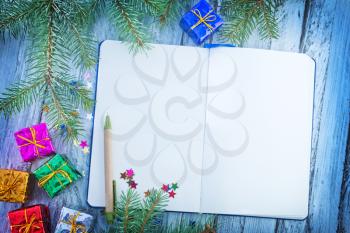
(12, 56)
(331, 147)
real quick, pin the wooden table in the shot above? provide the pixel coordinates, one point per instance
(318, 28)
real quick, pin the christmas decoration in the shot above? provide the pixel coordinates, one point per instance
(200, 22)
(86, 150)
(34, 142)
(170, 189)
(73, 221)
(136, 214)
(83, 144)
(243, 17)
(128, 175)
(60, 32)
(55, 175)
(13, 185)
(32, 219)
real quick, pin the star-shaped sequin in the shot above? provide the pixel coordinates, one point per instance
(76, 142)
(86, 150)
(130, 173)
(172, 194)
(46, 108)
(165, 187)
(89, 85)
(174, 186)
(132, 184)
(83, 144)
(123, 175)
(89, 116)
(147, 193)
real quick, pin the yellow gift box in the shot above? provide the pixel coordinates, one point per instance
(13, 185)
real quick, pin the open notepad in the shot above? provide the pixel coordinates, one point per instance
(231, 125)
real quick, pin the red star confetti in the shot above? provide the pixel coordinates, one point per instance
(172, 194)
(132, 184)
(165, 187)
(83, 144)
(130, 173)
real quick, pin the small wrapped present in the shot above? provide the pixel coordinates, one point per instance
(55, 175)
(73, 221)
(201, 21)
(32, 219)
(34, 142)
(13, 185)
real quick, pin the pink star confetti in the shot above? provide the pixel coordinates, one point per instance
(165, 187)
(130, 173)
(133, 184)
(172, 194)
(83, 144)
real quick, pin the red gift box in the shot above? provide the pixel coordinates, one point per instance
(32, 219)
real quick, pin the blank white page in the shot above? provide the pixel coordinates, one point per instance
(258, 134)
(157, 110)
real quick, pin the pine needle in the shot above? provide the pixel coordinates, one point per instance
(242, 17)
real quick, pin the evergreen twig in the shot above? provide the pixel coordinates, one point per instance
(242, 17)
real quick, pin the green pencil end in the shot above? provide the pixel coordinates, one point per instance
(110, 218)
(108, 124)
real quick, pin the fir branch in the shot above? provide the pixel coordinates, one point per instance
(147, 7)
(127, 23)
(77, 94)
(14, 15)
(244, 16)
(80, 46)
(20, 95)
(128, 210)
(152, 207)
(48, 65)
(201, 225)
(172, 10)
(268, 23)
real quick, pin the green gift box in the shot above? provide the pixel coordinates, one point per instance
(55, 175)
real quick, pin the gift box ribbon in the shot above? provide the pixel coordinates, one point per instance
(33, 141)
(28, 225)
(72, 220)
(53, 173)
(207, 18)
(10, 186)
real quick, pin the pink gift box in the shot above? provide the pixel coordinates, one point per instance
(34, 142)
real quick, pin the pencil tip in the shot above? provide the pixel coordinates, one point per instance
(108, 124)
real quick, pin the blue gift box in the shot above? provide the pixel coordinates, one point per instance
(201, 21)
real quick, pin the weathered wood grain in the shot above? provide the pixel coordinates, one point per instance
(331, 146)
(12, 63)
(318, 28)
